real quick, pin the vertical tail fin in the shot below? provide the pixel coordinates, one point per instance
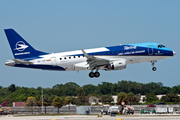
(20, 48)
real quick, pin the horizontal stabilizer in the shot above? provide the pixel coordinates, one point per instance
(19, 61)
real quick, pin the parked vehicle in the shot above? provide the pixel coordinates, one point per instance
(164, 110)
(145, 111)
(151, 105)
(128, 110)
(160, 104)
(104, 109)
(113, 110)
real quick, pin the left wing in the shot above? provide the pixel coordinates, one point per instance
(94, 61)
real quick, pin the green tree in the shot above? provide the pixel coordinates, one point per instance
(107, 98)
(121, 98)
(150, 97)
(57, 102)
(90, 89)
(39, 102)
(31, 102)
(12, 88)
(130, 97)
(46, 101)
(171, 97)
(68, 100)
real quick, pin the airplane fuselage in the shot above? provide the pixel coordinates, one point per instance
(104, 58)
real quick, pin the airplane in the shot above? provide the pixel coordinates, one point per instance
(103, 58)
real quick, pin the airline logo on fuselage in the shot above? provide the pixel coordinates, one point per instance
(20, 46)
(129, 47)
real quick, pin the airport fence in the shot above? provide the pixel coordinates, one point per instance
(78, 109)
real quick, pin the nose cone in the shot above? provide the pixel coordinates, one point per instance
(174, 53)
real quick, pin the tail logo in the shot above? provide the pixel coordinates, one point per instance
(20, 46)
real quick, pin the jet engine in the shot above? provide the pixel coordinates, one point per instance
(117, 65)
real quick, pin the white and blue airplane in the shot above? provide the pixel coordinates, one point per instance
(104, 58)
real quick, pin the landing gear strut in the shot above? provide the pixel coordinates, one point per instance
(92, 74)
(153, 63)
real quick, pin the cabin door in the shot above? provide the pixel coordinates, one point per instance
(150, 49)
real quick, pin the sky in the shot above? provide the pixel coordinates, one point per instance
(65, 25)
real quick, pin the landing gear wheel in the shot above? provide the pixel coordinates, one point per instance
(96, 74)
(91, 74)
(154, 68)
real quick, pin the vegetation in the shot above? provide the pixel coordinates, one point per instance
(31, 102)
(127, 91)
(57, 102)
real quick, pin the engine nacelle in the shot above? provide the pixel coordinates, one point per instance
(81, 66)
(117, 65)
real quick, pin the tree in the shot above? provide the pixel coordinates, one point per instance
(107, 98)
(57, 102)
(90, 89)
(12, 88)
(70, 89)
(68, 100)
(130, 97)
(150, 97)
(46, 101)
(31, 102)
(39, 102)
(171, 97)
(137, 98)
(121, 97)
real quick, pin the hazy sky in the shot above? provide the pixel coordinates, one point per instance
(65, 25)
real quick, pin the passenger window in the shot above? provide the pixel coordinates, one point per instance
(139, 49)
(60, 58)
(116, 52)
(102, 53)
(134, 49)
(129, 50)
(79, 56)
(83, 55)
(69, 57)
(97, 54)
(120, 51)
(107, 53)
(65, 58)
(124, 50)
(111, 52)
(74, 56)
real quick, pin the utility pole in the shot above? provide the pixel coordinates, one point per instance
(42, 99)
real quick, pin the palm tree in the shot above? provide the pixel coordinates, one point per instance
(57, 102)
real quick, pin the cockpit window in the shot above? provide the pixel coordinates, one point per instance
(161, 46)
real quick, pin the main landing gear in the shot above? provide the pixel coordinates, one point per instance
(92, 74)
(153, 63)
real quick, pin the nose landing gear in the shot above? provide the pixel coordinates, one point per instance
(153, 63)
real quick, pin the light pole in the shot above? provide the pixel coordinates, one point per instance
(42, 99)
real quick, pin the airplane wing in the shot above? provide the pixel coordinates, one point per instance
(22, 61)
(94, 61)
